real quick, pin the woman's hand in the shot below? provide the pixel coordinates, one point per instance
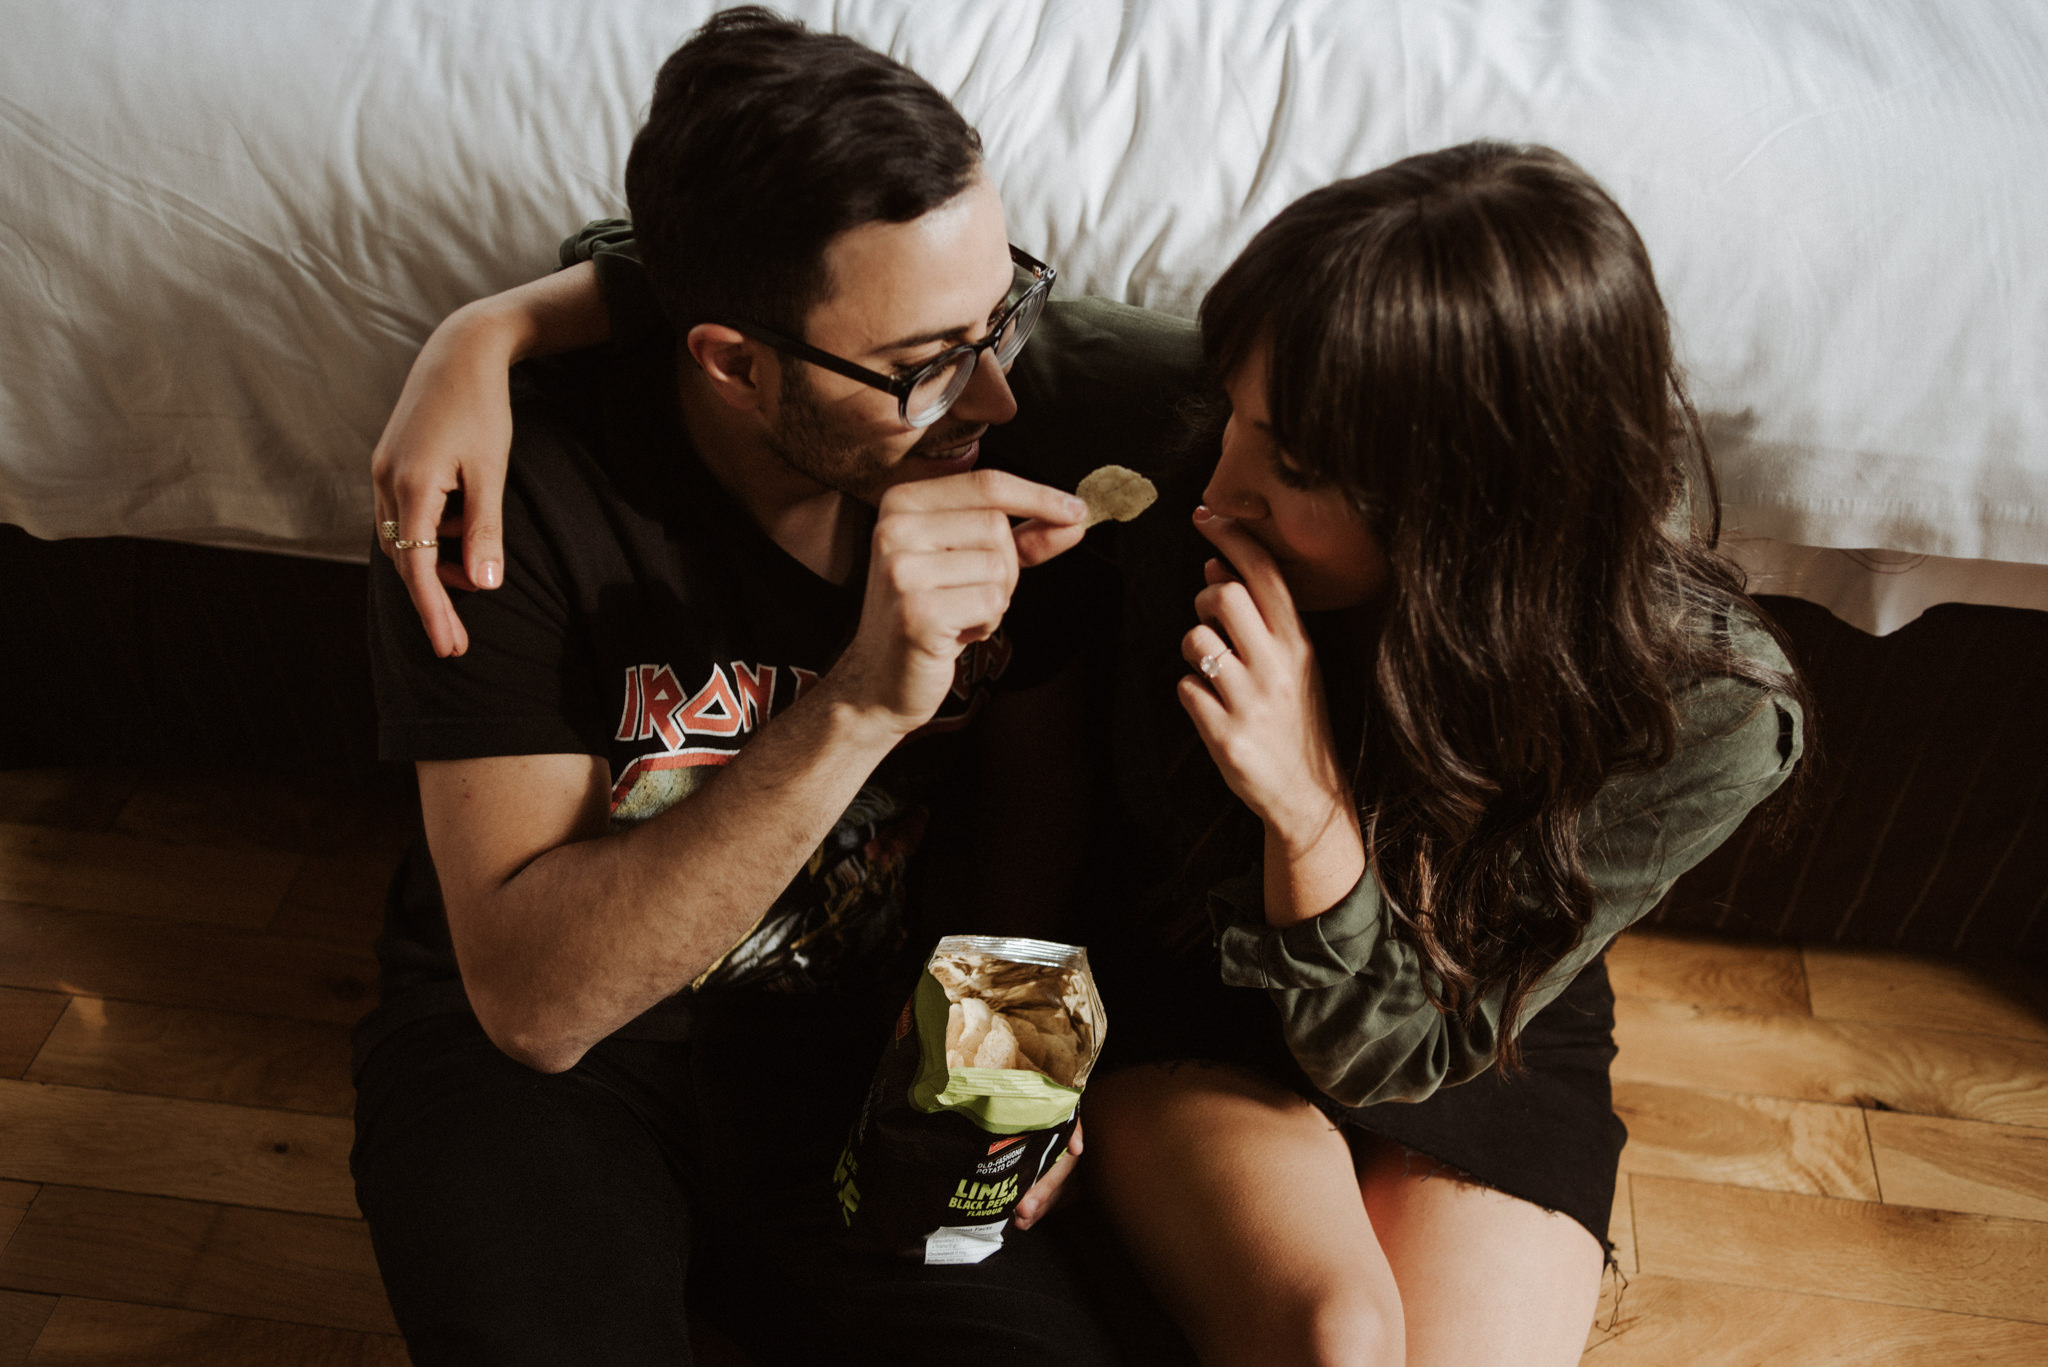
(1257, 700)
(452, 429)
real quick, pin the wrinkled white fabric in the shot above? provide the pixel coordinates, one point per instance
(225, 227)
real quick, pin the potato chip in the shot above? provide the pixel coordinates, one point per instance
(998, 1047)
(974, 1024)
(1059, 1058)
(1115, 491)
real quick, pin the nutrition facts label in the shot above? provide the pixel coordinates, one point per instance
(962, 1243)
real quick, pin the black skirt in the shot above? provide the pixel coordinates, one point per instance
(1547, 1135)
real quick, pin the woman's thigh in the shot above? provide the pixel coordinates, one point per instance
(1484, 1278)
(1239, 1201)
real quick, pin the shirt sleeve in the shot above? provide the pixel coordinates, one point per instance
(519, 689)
(1350, 991)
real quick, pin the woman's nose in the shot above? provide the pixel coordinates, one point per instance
(1233, 488)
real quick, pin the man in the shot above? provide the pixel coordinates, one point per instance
(691, 744)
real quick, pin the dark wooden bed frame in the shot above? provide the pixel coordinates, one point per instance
(1925, 826)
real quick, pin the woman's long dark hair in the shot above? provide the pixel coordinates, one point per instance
(1470, 344)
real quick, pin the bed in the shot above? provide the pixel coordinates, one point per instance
(227, 227)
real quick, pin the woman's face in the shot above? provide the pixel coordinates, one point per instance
(1325, 551)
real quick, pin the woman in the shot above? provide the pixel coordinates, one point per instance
(1479, 692)
(1461, 690)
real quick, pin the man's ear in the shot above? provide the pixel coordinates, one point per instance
(732, 362)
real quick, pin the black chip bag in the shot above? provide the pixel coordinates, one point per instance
(973, 1099)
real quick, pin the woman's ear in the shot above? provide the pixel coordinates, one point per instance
(732, 362)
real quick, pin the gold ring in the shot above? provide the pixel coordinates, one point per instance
(1212, 665)
(428, 544)
(388, 530)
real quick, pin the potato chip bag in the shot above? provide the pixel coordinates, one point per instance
(973, 1099)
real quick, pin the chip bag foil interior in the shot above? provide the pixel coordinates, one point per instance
(973, 1099)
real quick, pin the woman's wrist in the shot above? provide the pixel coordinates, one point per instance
(1313, 862)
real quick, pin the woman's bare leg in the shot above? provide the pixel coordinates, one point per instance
(1486, 1280)
(1241, 1204)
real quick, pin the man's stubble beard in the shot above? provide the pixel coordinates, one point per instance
(806, 440)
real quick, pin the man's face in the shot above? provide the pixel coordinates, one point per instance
(900, 293)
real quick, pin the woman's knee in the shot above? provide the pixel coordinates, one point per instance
(1349, 1327)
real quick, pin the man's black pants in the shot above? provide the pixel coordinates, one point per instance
(521, 1218)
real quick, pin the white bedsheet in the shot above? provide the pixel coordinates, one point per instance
(225, 226)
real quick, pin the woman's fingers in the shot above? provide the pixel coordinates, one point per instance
(417, 554)
(483, 525)
(1229, 608)
(1211, 656)
(1255, 568)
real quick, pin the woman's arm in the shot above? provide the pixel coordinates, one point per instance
(1350, 990)
(1312, 928)
(452, 430)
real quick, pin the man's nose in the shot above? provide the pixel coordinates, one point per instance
(987, 397)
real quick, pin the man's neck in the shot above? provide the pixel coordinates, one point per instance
(823, 529)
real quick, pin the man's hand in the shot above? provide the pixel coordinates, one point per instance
(943, 564)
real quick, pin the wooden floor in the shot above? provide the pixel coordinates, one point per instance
(1836, 1157)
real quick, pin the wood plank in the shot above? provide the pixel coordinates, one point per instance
(178, 964)
(1926, 1072)
(1746, 1141)
(1708, 972)
(92, 1333)
(338, 898)
(96, 871)
(26, 1019)
(15, 1199)
(164, 1146)
(2006, 999)
(293, 813)
(203, 1055)
(1853, 1250)
(22, 1318)
(1962, 1165)
(1665, 1322)
(190, 1255)
(82, 799)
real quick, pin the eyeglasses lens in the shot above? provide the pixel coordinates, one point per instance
(1018, 329)
(938, 388)
(936, 391)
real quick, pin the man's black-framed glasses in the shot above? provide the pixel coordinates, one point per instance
(924, 395)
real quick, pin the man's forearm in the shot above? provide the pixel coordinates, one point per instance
(560, 952)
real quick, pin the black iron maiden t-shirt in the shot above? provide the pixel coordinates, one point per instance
(647, 619)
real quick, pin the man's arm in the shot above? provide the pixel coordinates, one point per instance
(564, 932)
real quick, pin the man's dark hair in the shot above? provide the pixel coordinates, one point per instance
(764, 142)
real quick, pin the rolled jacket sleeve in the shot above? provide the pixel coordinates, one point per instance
(1350, 988)
(609, 245)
